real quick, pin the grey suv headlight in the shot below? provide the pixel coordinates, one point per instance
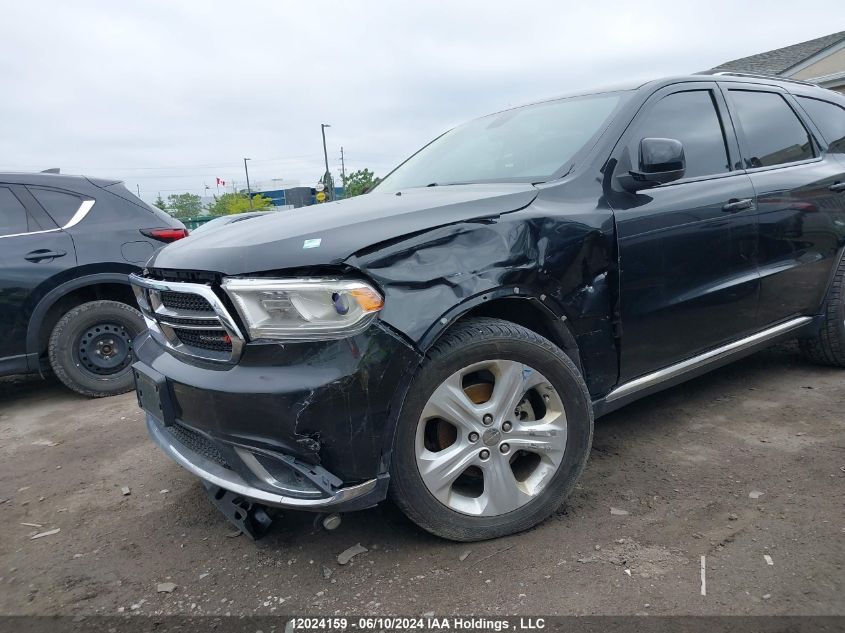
(303, 309)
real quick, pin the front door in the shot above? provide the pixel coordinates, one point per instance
(688, 275)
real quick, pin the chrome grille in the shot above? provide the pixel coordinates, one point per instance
(189, 319)
(214, 340)
(184, 301)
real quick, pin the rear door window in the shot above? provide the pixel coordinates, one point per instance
(13, 218)
(774, 134)
(61, 206)
(830, 119)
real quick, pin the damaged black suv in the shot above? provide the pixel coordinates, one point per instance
(449, 338)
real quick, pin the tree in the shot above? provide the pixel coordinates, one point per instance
(358, 182)
(161, 204)
(184, 205)
(234, 203)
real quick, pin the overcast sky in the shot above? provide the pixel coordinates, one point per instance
(170, 94)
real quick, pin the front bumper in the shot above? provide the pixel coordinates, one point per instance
(303, 425)
(364, 494)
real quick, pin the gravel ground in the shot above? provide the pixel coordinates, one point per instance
(744, 463)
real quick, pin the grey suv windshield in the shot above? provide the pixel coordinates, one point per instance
(528, 144)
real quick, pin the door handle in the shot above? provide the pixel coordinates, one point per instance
(838, 187)
(734, 205)
(42, 254)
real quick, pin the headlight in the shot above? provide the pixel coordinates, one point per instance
(303, 309)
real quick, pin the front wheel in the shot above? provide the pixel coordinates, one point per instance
(91, 347)
(494, 434)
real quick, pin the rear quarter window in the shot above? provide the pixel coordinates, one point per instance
(59, 205)
(830, 119)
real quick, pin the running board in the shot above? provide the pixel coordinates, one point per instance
(691, 365)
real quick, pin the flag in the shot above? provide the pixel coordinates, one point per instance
(220, 181)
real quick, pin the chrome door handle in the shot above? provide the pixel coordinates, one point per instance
(734, 205)
(838, 187)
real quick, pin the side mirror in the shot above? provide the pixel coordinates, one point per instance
(661, 161)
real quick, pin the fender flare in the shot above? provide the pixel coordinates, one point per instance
(48, 300)
(556, 319)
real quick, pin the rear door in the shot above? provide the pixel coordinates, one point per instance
(34, 252)
(800, 211)
(688, 276)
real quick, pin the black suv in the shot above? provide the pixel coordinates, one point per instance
(67, 245)
(449, 338)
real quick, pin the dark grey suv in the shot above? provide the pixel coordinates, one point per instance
(67, 246)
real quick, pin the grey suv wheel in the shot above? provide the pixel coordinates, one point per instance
(91, 347)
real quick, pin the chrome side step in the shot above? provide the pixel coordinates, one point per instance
(697, 362)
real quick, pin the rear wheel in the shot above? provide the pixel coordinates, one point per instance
(494, 434)
(828, 346)
(91, 347)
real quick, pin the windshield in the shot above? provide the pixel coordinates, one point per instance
(528, 144)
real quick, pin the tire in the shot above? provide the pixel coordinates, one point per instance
(828, 346)
(90, 348)
(473, 352)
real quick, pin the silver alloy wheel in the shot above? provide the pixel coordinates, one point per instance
(485, 467)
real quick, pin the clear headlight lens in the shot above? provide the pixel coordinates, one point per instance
(303, 309)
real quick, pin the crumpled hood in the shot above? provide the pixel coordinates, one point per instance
(330, 233)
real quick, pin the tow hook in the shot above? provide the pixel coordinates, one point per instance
(327, 521)
(249, 517)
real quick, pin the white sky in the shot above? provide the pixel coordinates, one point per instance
(169, 94)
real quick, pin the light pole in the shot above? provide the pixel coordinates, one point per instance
(248, 190)
(327, 178)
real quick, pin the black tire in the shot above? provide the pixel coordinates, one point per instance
(477, 340)
(87, 323)
(828, 346)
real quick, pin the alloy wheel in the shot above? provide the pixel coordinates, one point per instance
(490, 438)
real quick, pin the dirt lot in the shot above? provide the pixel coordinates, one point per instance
(683, 464)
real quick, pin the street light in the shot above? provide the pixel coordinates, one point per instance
(327, 178)
(248, 190)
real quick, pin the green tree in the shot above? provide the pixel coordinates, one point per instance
(234, 203)
(358, 182)
(161, 204)
(184, 205)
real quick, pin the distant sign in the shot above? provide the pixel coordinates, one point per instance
(320, 187)
(321, 196)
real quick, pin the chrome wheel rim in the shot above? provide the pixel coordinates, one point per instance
(490, 438)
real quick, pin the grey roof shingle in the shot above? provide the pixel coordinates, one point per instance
(781, 59)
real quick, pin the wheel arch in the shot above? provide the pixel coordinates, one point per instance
(515, 306)
(113, 286)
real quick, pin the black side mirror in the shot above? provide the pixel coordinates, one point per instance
(661, 161)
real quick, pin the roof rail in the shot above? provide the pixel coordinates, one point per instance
(734, 73)
(52, 170)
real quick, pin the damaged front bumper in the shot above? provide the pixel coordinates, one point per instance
(213, 472)
(301, 425)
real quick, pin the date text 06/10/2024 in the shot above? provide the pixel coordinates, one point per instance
(424, 623)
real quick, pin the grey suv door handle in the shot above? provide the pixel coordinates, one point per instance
(42, 254)
(838, 187)
(738, 205)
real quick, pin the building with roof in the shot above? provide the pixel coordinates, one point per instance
(820, 61)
